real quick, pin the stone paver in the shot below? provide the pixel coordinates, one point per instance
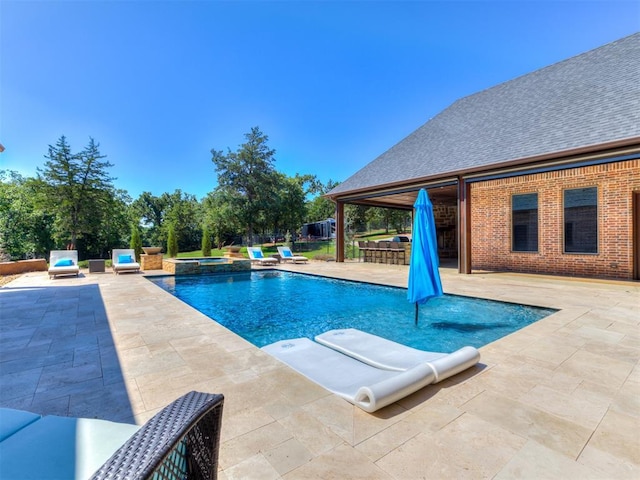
(557, 399)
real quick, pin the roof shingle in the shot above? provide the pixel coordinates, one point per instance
(590, 99)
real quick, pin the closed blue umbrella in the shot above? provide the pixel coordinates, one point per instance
(424, 277)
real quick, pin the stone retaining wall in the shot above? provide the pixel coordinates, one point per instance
(23, 266)
(151, 262)
(194, 267)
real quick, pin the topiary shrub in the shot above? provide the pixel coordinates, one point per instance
(136, 241)
(172, 242)
(206, 242)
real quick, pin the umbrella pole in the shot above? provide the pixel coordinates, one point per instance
(416, 313)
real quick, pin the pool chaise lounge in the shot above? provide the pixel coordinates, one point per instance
(367, 387)
(388, 355)
(63, 262)
(287, 256)
(124, 260)
(256, 256)
(180, 441)
(364, 385)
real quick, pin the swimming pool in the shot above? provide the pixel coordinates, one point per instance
(266, 306)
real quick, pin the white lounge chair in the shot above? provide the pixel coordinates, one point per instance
(369, 371)
(288, 256)
(367, 387)
(63, 262)
(124, 260)
(388, 355)
(256, 256)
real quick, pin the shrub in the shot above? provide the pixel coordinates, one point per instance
(324, 257)
(136, 241)
(206, 242)
(172, 242)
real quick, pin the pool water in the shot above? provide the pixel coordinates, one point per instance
(267, 306)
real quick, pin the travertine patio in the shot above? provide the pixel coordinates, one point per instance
(558, 399)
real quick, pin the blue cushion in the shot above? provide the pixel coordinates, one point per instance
(66, 447)
(13, 420)
(286, 253)
(257, 254)
(64, 262)
(124, 259)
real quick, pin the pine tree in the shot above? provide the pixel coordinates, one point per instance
(76, 184)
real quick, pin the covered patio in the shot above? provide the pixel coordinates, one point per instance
(569, 127)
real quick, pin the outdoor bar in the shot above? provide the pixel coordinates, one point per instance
(390, 253)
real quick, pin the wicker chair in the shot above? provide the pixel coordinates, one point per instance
(362, 249)
(397, 249)
(383, 246)
(372, 248)
(180, 441)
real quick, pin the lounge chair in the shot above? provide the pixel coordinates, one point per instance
(180, 441)
(388, 355)
(367, 387)
(287, 256)
(366, 370)
(63, 262)
(257, 257)
(124, 260)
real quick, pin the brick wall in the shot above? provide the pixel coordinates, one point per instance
(491, 222)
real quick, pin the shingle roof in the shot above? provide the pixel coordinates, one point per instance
(590, 99)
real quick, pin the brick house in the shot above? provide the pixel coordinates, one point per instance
(540, 174)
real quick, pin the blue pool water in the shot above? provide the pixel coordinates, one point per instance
(267, 306)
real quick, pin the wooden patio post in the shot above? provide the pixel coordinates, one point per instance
(464, 226)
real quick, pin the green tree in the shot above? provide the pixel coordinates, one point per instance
(151, 210)
(178, 208)
(206, 242)
(248, 178)
(287, 207)
(352, 218)
(376, 219)
(76, 187)
(172, 242)
(356, 217)
(320, 207)
(116, 223)
(388, 218)
(136, 241)
(25, 228)
(183, 212)
(112, 226)
(399, 219)
(220, 218)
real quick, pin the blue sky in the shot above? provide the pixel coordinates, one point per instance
(333, 84)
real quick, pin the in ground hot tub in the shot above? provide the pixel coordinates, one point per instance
(203, 265)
